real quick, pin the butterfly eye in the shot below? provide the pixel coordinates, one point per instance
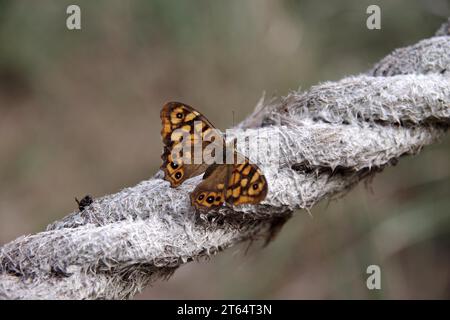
(255, 186)
(178, 175)
(173, 165)
(201, 197)
(179, 115)
(210, 199)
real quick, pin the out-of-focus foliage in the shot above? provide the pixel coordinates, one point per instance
(79, 113)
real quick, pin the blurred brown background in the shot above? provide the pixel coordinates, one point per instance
(79, 113)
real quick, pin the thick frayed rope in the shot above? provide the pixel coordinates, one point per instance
(327, 139)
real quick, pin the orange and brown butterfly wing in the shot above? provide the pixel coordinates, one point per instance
(210, 193)
(246, 184)
(179, 121)
(234, 184)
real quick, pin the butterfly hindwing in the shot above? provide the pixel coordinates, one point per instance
(234, 184)
(210, 193)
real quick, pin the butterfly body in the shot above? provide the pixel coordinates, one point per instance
(239, 182)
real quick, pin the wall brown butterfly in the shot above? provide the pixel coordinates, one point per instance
(241, 182)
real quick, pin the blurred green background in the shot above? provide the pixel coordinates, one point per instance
(79, 113)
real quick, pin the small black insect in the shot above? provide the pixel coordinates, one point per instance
(85, 202)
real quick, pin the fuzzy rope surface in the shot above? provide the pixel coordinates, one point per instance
(328, 139)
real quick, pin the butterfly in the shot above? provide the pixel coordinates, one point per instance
(235, 183)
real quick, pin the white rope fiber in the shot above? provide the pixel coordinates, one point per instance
(329, 138)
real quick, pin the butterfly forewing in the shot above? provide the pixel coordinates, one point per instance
(246, 184)
(183, 128)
